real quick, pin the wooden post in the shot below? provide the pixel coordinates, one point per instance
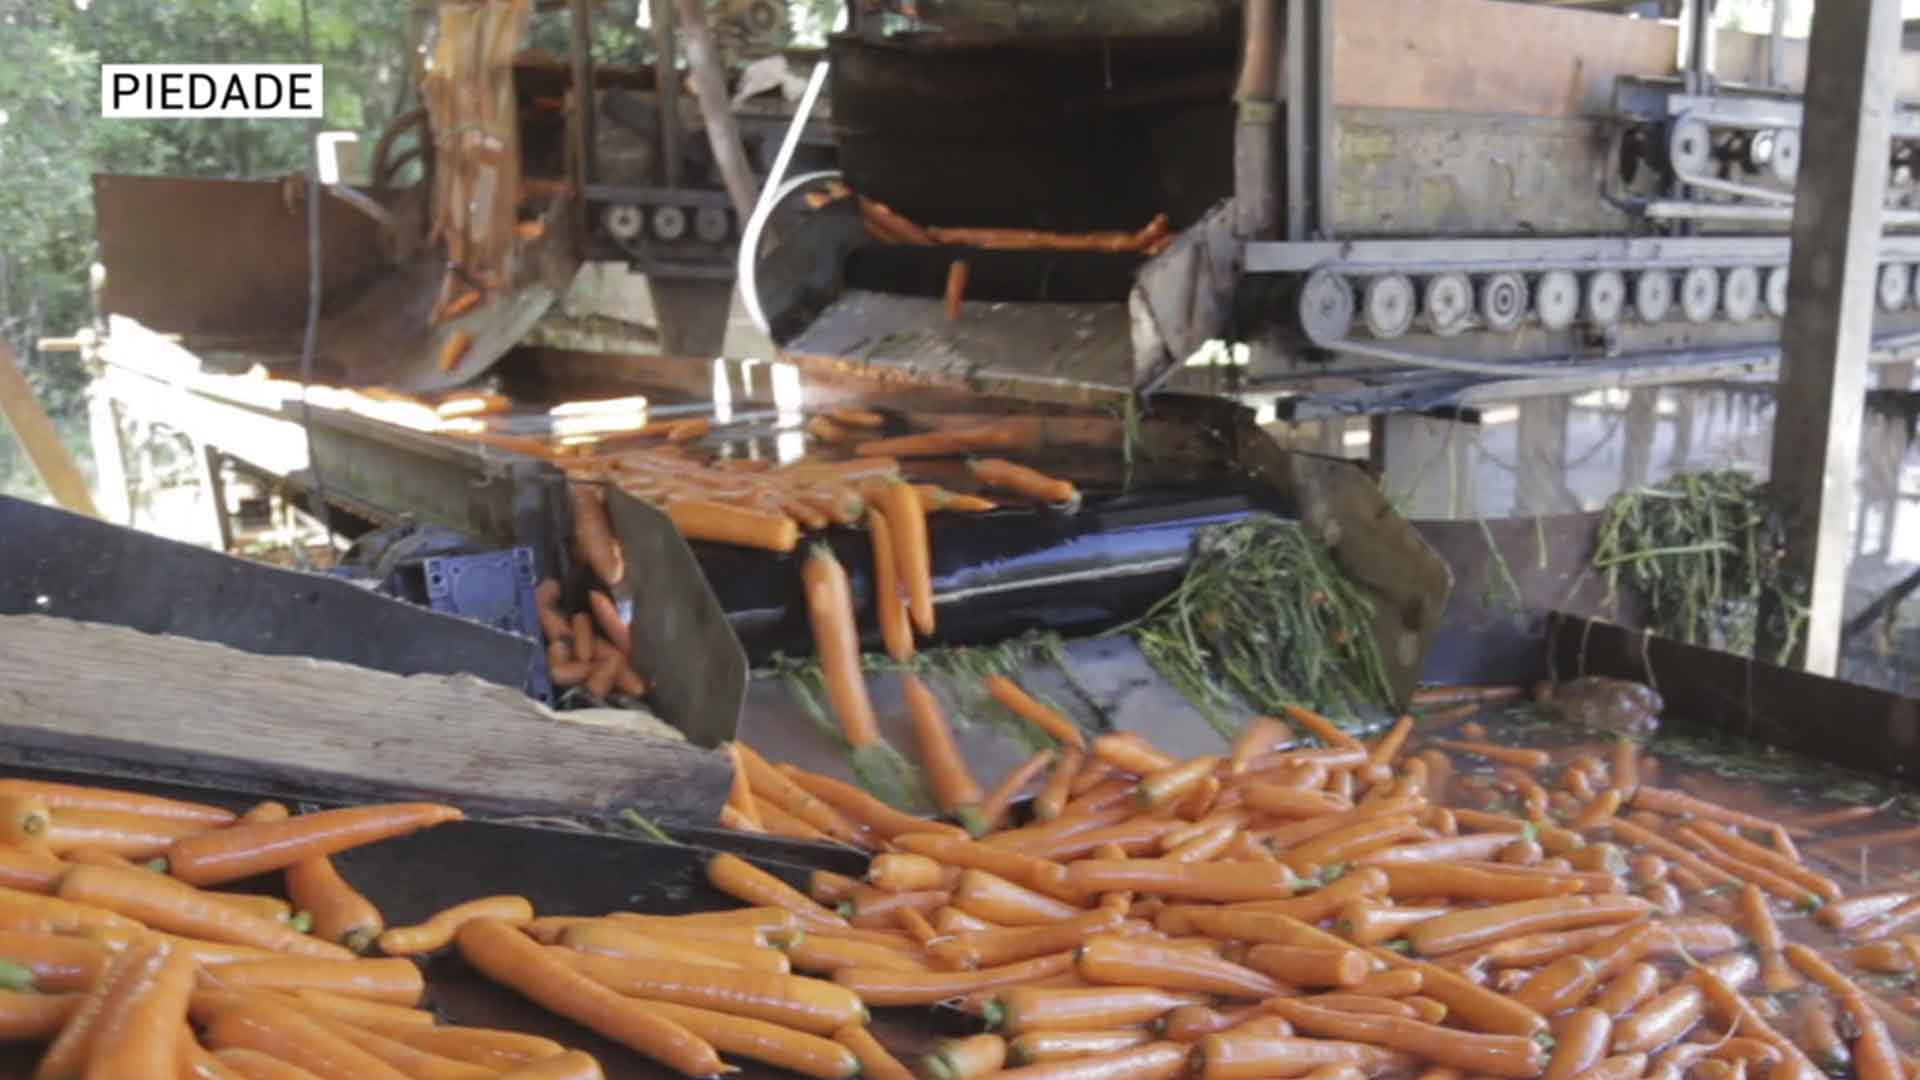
(1641, 429)
(1425, 464)
(37, 435)
(716, 110)
(1540, 458)
(1852, 58)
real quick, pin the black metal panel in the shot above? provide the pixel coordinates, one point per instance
(1848, 724)
(56, 563)
(1089, 134)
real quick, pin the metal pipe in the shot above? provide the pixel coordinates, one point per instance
(666, 77)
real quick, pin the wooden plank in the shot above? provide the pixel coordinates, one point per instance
(1831, 299)
(37, 436)
(166, 707)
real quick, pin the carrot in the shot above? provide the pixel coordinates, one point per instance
(340, 913)
(806, 1054)
(863, 809)
(572, 1065)
(411, 1060)
(1734, 1010)
(254, 1065)
(262, 1024)
(1745, 872)
(1172, 785)
(774, 787)
(997, 900)
(372, 1015)
(1041, 1047)
(607, 617)
(1570, 979)
(1765, 932)
(828, 888)
(438, 931)
(1493, 1055)
(872, 909)
(994, 808)
(140, 1034)
(168, 905)
(993, 948)
(724, 523)
(57, 964)
(1581, 1043)
(136, 836)
(751, 885)
(1320, 727)
(593, 537)
(76, 797)
(498, 1050)
(1819, 1033)
(1467, 929)
(67, 1056)
(877, 986)
(1279, 801)
(1257, 1055)
(1152, 1061)
(1189, 1023)
(1350, 842)
(1017, 701)
(938, 498)
(1681, 804)
(1023, 1009)
(1466, 846)
(29, 871)
(1506, 755)
(1746, 851)
(1129, 752)
(876, 1063)
(1672, 852)
(890, 609)
(1404, 982)
(1000, 473)
(1196, 881)
(965, 1059)
(1117, 961)
(830, 610)
(1361, 883)
(506, 956)
(244, 850)
(394, 981)
(1052, 800)
(956, 288)
(1472, 1005)
(1628, 990)
(898, 872)
(954, 788)
(1855, 911)
(953, 442)
(30, 1017)
(608, 939)
(1298, 965)
(907, 523)
(1660, 1021)
(821, 955)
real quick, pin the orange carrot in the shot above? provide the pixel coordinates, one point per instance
(1506, 755)
(954, 788)
(168, 905)
(1121, 961)
(1152, 1061)
(994, 808)
(863, 808)
(997, 900)
(1255, 1054)
(993, 948)
(1026, 707)
(1493, 1055)
(572, 1065)
(725, 523)
(340, 913)
(1041, 1047)
(506, 956)
(244, 850)
(440, 929)
(937, 498)
(1131, 753)
(1000, 473)
(67, 1056)
(876, 1063)
(633, 943)
(1297, 965)
(29, 871)
(140, 1034)
(607, 616)
(497, 1050)
(1197, 881)
(75, 797)
(837, 643)
(1629, 990)
(890, 609)
(773, 787)
(392, 981)
(784, 1047)
(965, 1059)
(751, 885)
(1052, 800)
(372, 1015)
(956, 288)
(261, 1023)
(137, 836)
(881, 986)
(1021, 1009)
(907, 522)
(1680, 804)
(1479, 926)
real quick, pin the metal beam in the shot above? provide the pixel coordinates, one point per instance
(1854, 52)
(1308, 73)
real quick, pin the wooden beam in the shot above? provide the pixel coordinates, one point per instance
(37, 435)
(1855, 53)
(716, 110)
(118, 700)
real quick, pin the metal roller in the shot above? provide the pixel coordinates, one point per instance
(1776, 292)
(1896, 282)
(1784, 161)
(1503, 301)
(1689, 145)
(669, 223)
(1388, 305)
(1448, 303)
(1605, 297)
(1556, 299)
(1326, 307)
(1699, 293)
(1740, 293)
(1652, 295)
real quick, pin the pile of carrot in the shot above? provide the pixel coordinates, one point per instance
(1308, 903)
(591, 648)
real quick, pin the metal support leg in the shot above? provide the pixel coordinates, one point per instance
(214, 481)
(666, 72)
(1425, 465)
(1851, 70)
(1540, 458)
(1642, 426)
(1308, 69)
